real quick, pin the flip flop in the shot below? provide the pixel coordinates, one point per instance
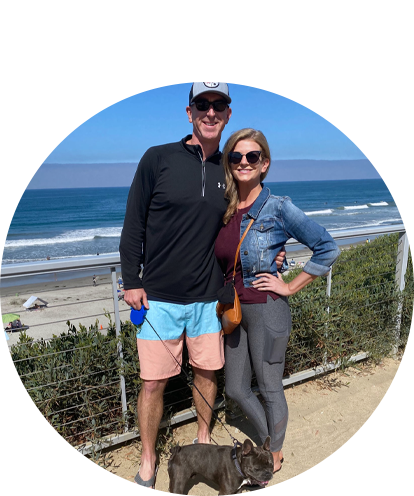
(148, 483)
(279, 469)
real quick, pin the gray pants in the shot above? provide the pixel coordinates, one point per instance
(259, 344)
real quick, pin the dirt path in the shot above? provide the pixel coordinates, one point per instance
(349, 434)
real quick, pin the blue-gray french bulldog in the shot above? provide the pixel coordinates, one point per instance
(229, 467)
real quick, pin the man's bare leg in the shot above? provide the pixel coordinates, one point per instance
(150, 407)
(206, 382)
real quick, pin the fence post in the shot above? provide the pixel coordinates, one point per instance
(401, 269)
(118, 333)
(328, 294)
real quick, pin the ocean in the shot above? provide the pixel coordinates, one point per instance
(64, 223)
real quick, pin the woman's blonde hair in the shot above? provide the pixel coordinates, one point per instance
(232, 193)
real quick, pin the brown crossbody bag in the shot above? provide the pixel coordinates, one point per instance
(230, 313)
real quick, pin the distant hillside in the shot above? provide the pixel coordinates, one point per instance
(57, 176)
(317, 170)
(107, 175)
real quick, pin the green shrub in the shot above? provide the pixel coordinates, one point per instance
(363, 306)
(407, 304)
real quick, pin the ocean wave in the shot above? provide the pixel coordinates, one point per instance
(362, 224)
(386, 222)
(320, 212)
(366, 205)
(76, 236)
(62, 257)
(355, 207)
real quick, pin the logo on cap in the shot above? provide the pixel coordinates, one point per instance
(211, 85)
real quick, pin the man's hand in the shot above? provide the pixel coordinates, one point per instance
(280, 257)
(135, 298)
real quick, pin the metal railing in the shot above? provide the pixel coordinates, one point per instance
(12, 276)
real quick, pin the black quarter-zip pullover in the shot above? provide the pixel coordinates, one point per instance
(174, 213)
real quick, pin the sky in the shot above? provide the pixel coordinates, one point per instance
(117, 122)
(63, 124)
(66, 61)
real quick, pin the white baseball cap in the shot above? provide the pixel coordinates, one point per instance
(198, 89)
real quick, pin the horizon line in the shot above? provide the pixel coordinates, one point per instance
(273, 160)
(265, 182)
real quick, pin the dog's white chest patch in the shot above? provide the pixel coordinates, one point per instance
(246, 481)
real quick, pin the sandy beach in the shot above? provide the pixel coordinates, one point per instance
(76, 300)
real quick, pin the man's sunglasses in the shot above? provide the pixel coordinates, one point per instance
(203, 105)
(251, 157)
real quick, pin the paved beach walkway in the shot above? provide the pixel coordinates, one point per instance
(350, 434)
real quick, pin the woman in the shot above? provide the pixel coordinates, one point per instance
(260, 341)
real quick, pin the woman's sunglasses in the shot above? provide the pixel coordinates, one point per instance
(251, 157)
(203, 105)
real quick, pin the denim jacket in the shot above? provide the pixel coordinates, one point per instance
(276, 220)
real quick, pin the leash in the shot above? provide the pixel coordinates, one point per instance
(137, 318)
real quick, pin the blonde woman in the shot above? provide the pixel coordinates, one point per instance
(259, 342)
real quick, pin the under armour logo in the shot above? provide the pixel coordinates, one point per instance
(221, 185)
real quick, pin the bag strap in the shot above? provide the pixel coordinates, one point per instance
(238, 248)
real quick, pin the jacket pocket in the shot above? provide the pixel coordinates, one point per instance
(262, 230)
(263, 233)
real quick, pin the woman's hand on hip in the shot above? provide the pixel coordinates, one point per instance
(269, 282)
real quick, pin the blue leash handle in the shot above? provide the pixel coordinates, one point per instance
(138, 316)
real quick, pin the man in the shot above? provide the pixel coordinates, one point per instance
(174, 212)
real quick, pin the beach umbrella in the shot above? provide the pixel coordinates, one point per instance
(9, 317)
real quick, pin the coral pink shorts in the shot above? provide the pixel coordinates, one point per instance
(197, 322)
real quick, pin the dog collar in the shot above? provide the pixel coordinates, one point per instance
(238, 468)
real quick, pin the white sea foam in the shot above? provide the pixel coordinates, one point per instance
(363, 224)
(69, 237)
(380, 204)
(320, 212)
(355, 207)
(390, 221)
(42, 259)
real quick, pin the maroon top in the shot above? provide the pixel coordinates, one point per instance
(225, 250)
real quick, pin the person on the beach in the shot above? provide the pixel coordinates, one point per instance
(174, 212)
(260, 341)
(94, 280)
